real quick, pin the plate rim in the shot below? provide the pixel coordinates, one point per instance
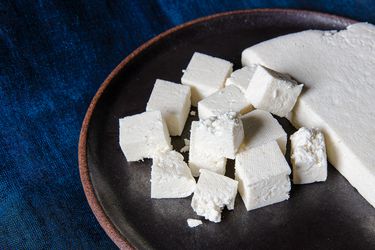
(88, 188)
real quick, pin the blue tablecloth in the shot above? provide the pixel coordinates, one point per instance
(53, 57)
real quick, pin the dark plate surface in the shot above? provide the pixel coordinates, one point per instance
(324, 215)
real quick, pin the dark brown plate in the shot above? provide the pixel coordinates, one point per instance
(324, 215)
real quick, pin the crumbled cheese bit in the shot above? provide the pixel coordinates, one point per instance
(308, 156)
(193, 113)
(194, 222)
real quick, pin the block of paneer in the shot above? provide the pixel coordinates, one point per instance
(273, 92)
(170, 176)
(230, 98)
(212, 193)
(241, 77)
(199, 159)
(263, 176)
(205, 75)
(173, 100)
(261, 127)
(219, 136)
(142, 135)
(308, 156)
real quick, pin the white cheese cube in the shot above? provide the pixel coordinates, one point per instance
(194, 223)
(170, 176)
(241, 77)
(199, 159)
(225, 100)
(142, 135)
(219, 136)
(173, 100)
(308, 156)
(273, 92)
(205, 75)
(263, 176)
(212, 193)
(260, 127)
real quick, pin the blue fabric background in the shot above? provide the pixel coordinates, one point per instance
(53, 57)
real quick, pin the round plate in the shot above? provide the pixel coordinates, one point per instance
(322, 215)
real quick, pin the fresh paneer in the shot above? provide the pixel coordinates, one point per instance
(337, 68)
(272, 91)
(263, 175)
(260, 127)
(199, 159)
(142, 135)
(225, 100)
(205, 75)
(193, 222)
(308, 156)
(241, 77)
(173, 100)
(212, 193)
(219, 136)
(170, 176)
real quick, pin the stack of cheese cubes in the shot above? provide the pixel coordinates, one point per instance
(235, 122)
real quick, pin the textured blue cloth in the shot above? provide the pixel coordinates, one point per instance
(53, 57)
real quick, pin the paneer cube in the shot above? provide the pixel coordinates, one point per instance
(272, 91)
(212, 193)
(263, 176)
(170, 176)
(219, 136)
(260, 127)
(241, 77)
(142, 135)
(173, 100)
(225, 100)
(308, 156)
(205, 75)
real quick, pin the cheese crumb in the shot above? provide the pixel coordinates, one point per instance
(193, 113)
(194, 223)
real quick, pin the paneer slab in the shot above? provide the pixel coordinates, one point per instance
(272, 92)
(241, 77)
(142, 135)
(205, 75)
(170, 176)
(212, 193)
(225, 100)
(308, 156)
(260, 128)
(173, 100)
(263, 176)
(337, 69)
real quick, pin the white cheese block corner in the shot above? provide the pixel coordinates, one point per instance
(260, 127)
(308, 156)
(205, 75)
(170, 176)
(142, 135)
(212, 193)
(228, 99)
(241, 77)
(263, 176)
(173, 100)
(337, 69)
